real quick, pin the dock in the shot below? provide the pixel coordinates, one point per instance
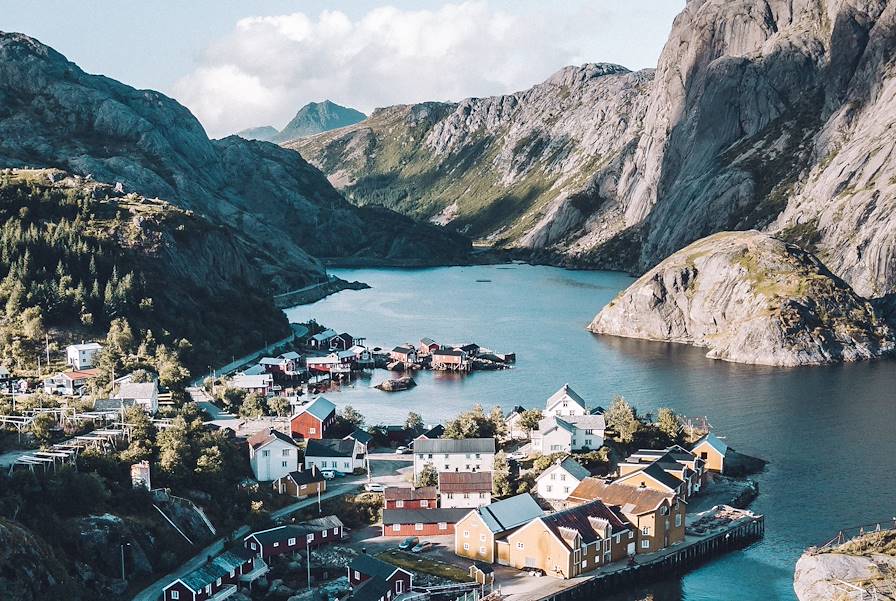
(709, 535)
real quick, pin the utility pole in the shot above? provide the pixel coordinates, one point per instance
(47, 337)
(308, 550)
(123, 545)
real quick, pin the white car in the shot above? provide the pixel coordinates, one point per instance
(402, 451)
(328, 474)
(517, 456)
(374, 487)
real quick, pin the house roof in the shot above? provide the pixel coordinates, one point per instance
(630, 499)
(405, 493)
(485, 568)
(260, 439)
(373, 567)
(324, 336)
(255, 381)
(448, 352)
(372, 589)
(515, 411)
(308, 476)
(552, 422)
(435, 432)
(112, 404)
(291, 356)
(271, 361)
(403, 349)
(674, 453)
(84, 346)
(427, 341)
(330, 447)
(713, 441)
(220, 566)
(451, 445)
(321, 408)
(575, 469)
(465, 482)
(137, 390)
(361, 436)
(423, 516)
(585, 519)
(84, 374)
(255, 370)
(281, 533)
(565, 392)
(655, 471)
(592, 421)
(510, 513)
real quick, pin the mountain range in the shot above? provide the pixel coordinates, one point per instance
(313, 118)
(775, 115)
(282, 212)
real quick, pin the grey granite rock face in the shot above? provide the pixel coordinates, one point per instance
(775, 115)
(749, 298)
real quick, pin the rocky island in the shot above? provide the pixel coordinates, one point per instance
(850, 570)
(749, 298)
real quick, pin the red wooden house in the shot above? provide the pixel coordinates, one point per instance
(342, 342)
(313, 419)
(402, 497)
(421, 522)
(294, 538)
(218, 578)
(364, 568)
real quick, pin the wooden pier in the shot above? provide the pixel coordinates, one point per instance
(672, 562)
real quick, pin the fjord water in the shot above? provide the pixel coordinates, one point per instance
(828, 432)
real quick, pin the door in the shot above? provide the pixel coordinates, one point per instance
(631, 548)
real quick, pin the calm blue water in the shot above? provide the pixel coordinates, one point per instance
(828, 432)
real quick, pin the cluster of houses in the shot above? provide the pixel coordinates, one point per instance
(430, 354)
(221, 576)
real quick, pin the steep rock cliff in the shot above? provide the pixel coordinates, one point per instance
(749, 298)
(775, 115)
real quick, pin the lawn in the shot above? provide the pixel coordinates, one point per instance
(426, 565)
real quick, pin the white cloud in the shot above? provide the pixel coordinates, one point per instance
(267, 67)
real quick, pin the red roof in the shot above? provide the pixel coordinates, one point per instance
(465, 482)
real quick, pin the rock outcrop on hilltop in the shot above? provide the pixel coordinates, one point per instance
(53, 114)
(749, 298)
(775, 115)
(836, 573)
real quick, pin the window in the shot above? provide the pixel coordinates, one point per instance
(466, 546)
(396, 527)
(324, 534)
(304, 486)
(482, 550)
(345, 464)
(265, 453)
(519, 545)
(429, 456)
(335, 530)
(566, 489)
(424, 503)
(446, 455)
(399, 586)
(631, 535)
(645, 530)
(447, 467)
(218, 582)
(443, 525)
(664, 510)
(466, 495)
(253, 546)
(284, 463)
(291, 542)
(589, 432)
(286, 452)
(175, 594)
(482, 495)
(467, 455)
(276, 543)
(584, 563)
(451, 495)
(548, 488)
(617, 538)
(677, 520)
(310, 537)
(553, 476)
(399, 503)
(478, 456)
(312, 430)
(482, 537)
(562, 477)
(357, 575)
(607, 545)
(418, 526)
(208, 589)
(587, 442)
(645, 544)
(466, 534)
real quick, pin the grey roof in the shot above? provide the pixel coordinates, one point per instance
(550, 422)
(220, 566)
(260, 439)
(330, 447)
(372, 589)
(324, 336)
(451, 445)
(321, 408)
(423, 516)
(565, 390)
(308, 476)
(373, 567)
(112, 404)
(282, 533)
(587, 422)
(361, 436)
(655, 471)
(403, 349)
(575, 468)
(137, 390)
(448, 353)
(510, 513)
(714, 442)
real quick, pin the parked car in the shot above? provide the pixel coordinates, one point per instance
(402, 450)
(517, 456)
(328, 474)
(422, 547)
(409, 543)
(374, 487)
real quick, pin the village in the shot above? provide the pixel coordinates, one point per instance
(518, 504)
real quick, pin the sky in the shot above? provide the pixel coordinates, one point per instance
(243, 64)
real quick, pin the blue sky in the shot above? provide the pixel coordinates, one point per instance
(239, 64)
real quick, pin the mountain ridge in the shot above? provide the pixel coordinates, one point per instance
(313, 118)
